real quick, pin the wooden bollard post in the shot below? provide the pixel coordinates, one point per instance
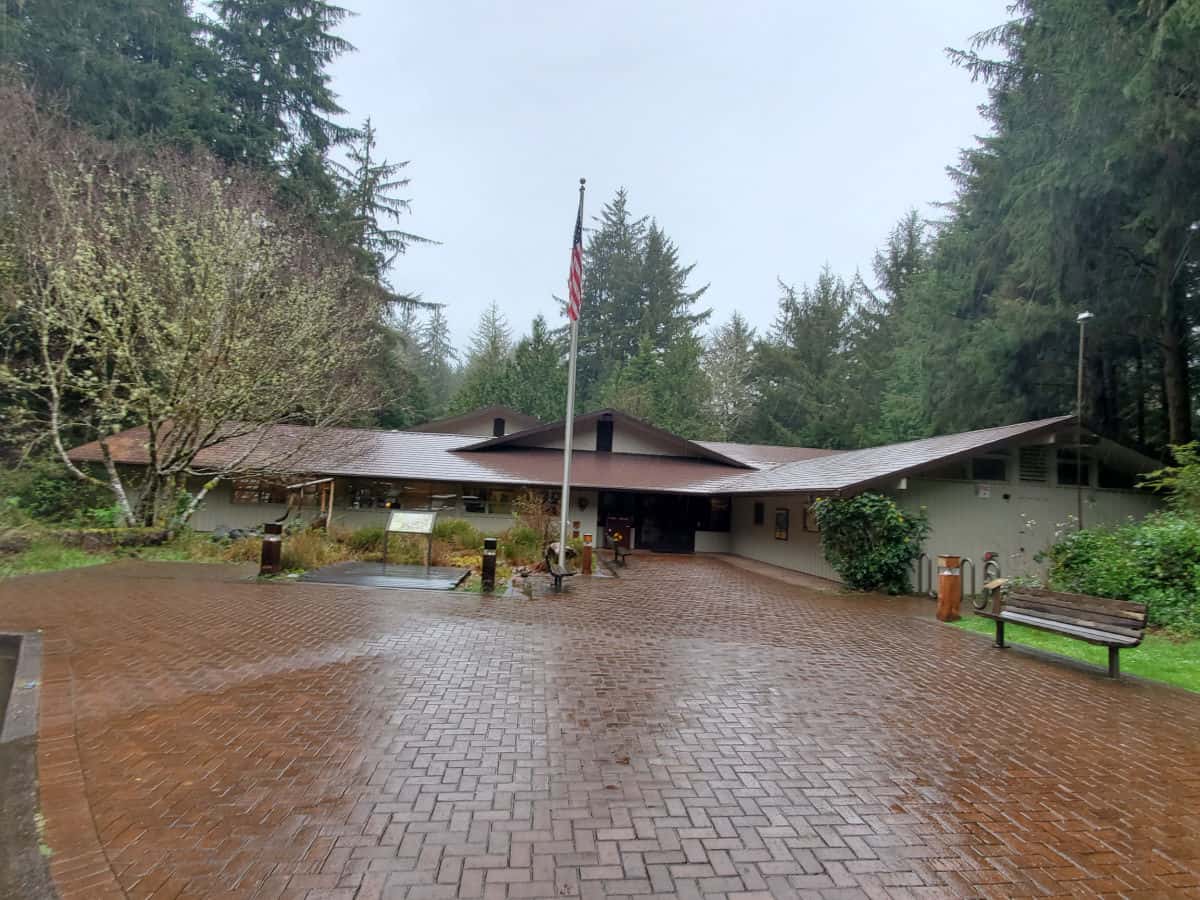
(949, 588)
(488, 568)
(587, 555)
(272, 549)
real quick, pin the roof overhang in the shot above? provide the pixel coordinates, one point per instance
(529, 436)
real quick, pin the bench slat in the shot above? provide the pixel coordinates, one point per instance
(1091, 635)
(1038, 607)
(1083, 601)
(1072, 617)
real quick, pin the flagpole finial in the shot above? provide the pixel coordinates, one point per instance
(582, 182)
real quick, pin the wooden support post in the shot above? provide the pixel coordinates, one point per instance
(329, 510)
(1114, 662)
(1000, 633)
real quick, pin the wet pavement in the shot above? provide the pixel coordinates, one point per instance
(688, 729)
(389, 575)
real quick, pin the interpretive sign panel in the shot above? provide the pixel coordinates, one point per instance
(405, 522)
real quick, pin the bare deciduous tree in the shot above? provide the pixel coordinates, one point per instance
(175, 295)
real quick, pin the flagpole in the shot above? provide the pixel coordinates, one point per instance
(569, 430)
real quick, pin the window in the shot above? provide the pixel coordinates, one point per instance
(1115, 479)
(760, 512)
(989, 468)
(713, 514)
(1073, 469)
(487, 501)
(258, 490)
(1032, 465)
(781, 524)
(810, 521)
(956, 471)
(363, 493)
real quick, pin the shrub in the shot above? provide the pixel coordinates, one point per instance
(366, 540)
(47, 492)
(870, 541)
(247, 549)
(521, 545)
(1155, 561)
(458, 533)
(309, 550)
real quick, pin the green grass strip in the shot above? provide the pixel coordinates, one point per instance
(1160, 657)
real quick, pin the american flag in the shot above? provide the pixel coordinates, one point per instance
(575, 280)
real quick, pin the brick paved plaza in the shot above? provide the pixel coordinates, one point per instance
(690, 729)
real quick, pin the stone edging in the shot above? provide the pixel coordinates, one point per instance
(22, 717)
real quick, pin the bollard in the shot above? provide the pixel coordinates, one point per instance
(489, 565)
(949, 588)
(587, 554)
(272, 549)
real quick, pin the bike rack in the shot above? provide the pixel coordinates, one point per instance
(924, 567)
(967, 561)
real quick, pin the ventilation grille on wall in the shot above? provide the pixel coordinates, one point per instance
(1034, 463)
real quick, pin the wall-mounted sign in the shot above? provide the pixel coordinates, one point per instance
(781, 524)
(983, 491)
(411, 522)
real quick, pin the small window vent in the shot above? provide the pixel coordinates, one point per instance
(604, 435)
(1034, 464)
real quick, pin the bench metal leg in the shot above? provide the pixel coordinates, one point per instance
(558, 584)
(1114, 662)
(1000, 634)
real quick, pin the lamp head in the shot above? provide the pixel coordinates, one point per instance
(1083, 317)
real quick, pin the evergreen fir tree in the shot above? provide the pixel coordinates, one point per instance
(537, 374)
(485, 375)
(729, 365)
(369, 187)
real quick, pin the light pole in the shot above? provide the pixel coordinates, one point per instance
(1082, 320)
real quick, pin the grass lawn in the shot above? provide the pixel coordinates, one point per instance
(48, 556)
(1160, 658)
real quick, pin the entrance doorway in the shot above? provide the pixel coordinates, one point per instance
(665, 523)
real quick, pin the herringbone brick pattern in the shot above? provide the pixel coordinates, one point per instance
(689, 729)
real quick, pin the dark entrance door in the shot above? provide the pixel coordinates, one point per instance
(665, 523)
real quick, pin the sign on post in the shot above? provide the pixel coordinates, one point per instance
(409, 522)
(403, 522)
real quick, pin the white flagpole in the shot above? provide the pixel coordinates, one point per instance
(569, 430)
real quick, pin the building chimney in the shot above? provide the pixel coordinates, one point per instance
(497, 427)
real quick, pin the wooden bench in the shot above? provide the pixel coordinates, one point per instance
(1115, 624)
(558, 573)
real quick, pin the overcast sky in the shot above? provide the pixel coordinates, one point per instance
(767, 138)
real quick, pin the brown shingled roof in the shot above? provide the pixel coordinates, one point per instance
(453, 458)
(858, 469)
(425, 456)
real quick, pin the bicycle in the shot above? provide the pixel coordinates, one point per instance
(991, 571)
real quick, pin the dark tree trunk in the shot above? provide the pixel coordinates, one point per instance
(1140, 403)
(1176, 380)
